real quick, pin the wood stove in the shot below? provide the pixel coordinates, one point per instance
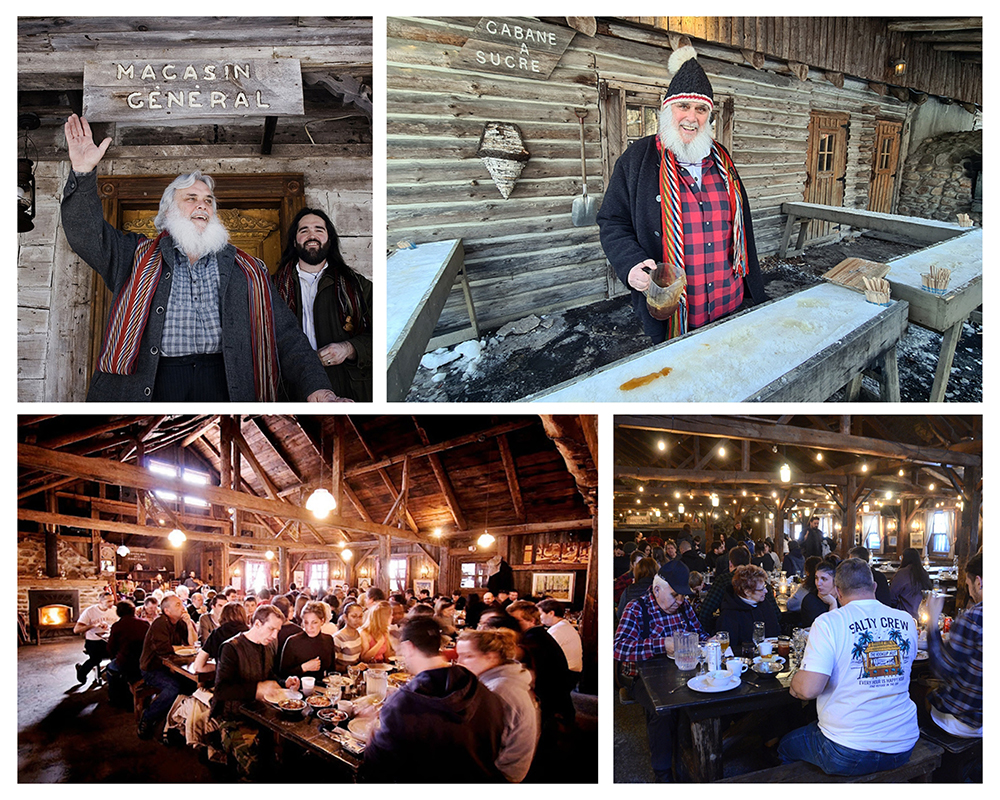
(52, 611)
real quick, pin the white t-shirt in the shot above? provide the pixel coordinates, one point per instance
(867, 649)
(569, 641)
(94, 615)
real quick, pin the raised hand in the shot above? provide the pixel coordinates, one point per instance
(84, 155)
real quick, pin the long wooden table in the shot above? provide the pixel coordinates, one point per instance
(802, 347)
(303, 732)
(418, 282)
(945, 314)
(918, 229)
(181, 665)
(701, 712)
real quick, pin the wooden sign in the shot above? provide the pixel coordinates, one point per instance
(516, 46)
(158, 87)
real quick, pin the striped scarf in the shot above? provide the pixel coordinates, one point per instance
(130, 313)
(673, 227)
(351, 309)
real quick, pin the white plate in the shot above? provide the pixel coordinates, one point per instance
(361, 727)
(189, 650)
(778, 659)
(697, 684)
(922, 655)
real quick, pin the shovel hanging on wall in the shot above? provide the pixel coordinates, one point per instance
(584, 207)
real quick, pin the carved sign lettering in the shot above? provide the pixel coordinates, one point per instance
(516, 46)
(157, 88)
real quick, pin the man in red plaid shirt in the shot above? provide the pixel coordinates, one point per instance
(676, 198)
(646, 631)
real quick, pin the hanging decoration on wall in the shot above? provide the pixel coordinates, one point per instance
(504, 154)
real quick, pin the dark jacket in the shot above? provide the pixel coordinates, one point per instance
(882, 591)
(812, 543)
(160, 640)
(694, 562)
(125, 642)
(907, 591)
(301, 648)
(241, 666)
(794, 564)
(223, 633)
(738, 617)
(351, 379)
(633, 591)
(110, 253)
(632, 230)
(444, 721)
(546, 659)
(812, 607)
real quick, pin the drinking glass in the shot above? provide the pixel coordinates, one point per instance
(722, 637)
(758, 632)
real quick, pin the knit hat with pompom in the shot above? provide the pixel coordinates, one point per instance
(689, 80)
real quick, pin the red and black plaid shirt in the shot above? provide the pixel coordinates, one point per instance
(712, 289)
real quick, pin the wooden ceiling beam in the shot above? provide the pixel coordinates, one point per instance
(441, 475)
(513, 484)
(381, 473)
(742, 428)
(104, 471)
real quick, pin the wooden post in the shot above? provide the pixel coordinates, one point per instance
(588, 619)
(52, 538)
(384, 556)
(283, 579)
(337, 463)
(850, 513)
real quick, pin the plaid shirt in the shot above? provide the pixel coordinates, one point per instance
(192, 324)
(712, 289)
(630, 647)
(959, 664)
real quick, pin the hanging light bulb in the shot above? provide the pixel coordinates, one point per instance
(346, 554)
(176, 537)
(269, 555)
(123, 550)
(715, 501)
(486, 539)
(786, 473)
(321, 503)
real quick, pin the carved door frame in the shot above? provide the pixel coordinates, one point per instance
(119, 193)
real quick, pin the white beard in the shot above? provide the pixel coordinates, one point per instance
(670, 137)
(193, 242)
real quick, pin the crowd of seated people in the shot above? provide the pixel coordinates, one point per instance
(497, 695)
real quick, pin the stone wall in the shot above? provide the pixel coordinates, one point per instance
(936, 179)
(31, 559)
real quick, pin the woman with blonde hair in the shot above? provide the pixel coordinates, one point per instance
(375, 643)
(491, 656)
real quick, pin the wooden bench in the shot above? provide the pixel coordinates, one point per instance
(141, 697)
(418, 282)
(961, 755)
(925, 758)
(917, 229)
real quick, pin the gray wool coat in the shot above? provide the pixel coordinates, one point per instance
(110, 253)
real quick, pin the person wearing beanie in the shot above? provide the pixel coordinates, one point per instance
(677, 198)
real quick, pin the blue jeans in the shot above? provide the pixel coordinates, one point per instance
(168, 686)
(809, 744)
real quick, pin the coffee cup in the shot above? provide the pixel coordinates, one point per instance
(346, 706)
(766, 650)
(736, 666)
(308, 684)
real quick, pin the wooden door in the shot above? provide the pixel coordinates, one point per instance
(886, 160)
(257, 210)
(827, 164)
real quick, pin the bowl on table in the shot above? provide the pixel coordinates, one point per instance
(332, 716)
(319, 701)
(768, 668)
(290, 707)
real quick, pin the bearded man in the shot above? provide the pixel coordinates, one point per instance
(193, 318)
(676, 198)
(332, 301)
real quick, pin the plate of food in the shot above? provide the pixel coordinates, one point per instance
(319, 701)
(922, 655)
(771, 668)
(399, 678)
(290, 706)
(332, 715)
(776, 659)
(185, 650)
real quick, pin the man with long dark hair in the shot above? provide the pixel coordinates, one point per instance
(332, 301)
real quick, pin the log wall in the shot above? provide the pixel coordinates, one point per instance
(523, 254)
(54, 285)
